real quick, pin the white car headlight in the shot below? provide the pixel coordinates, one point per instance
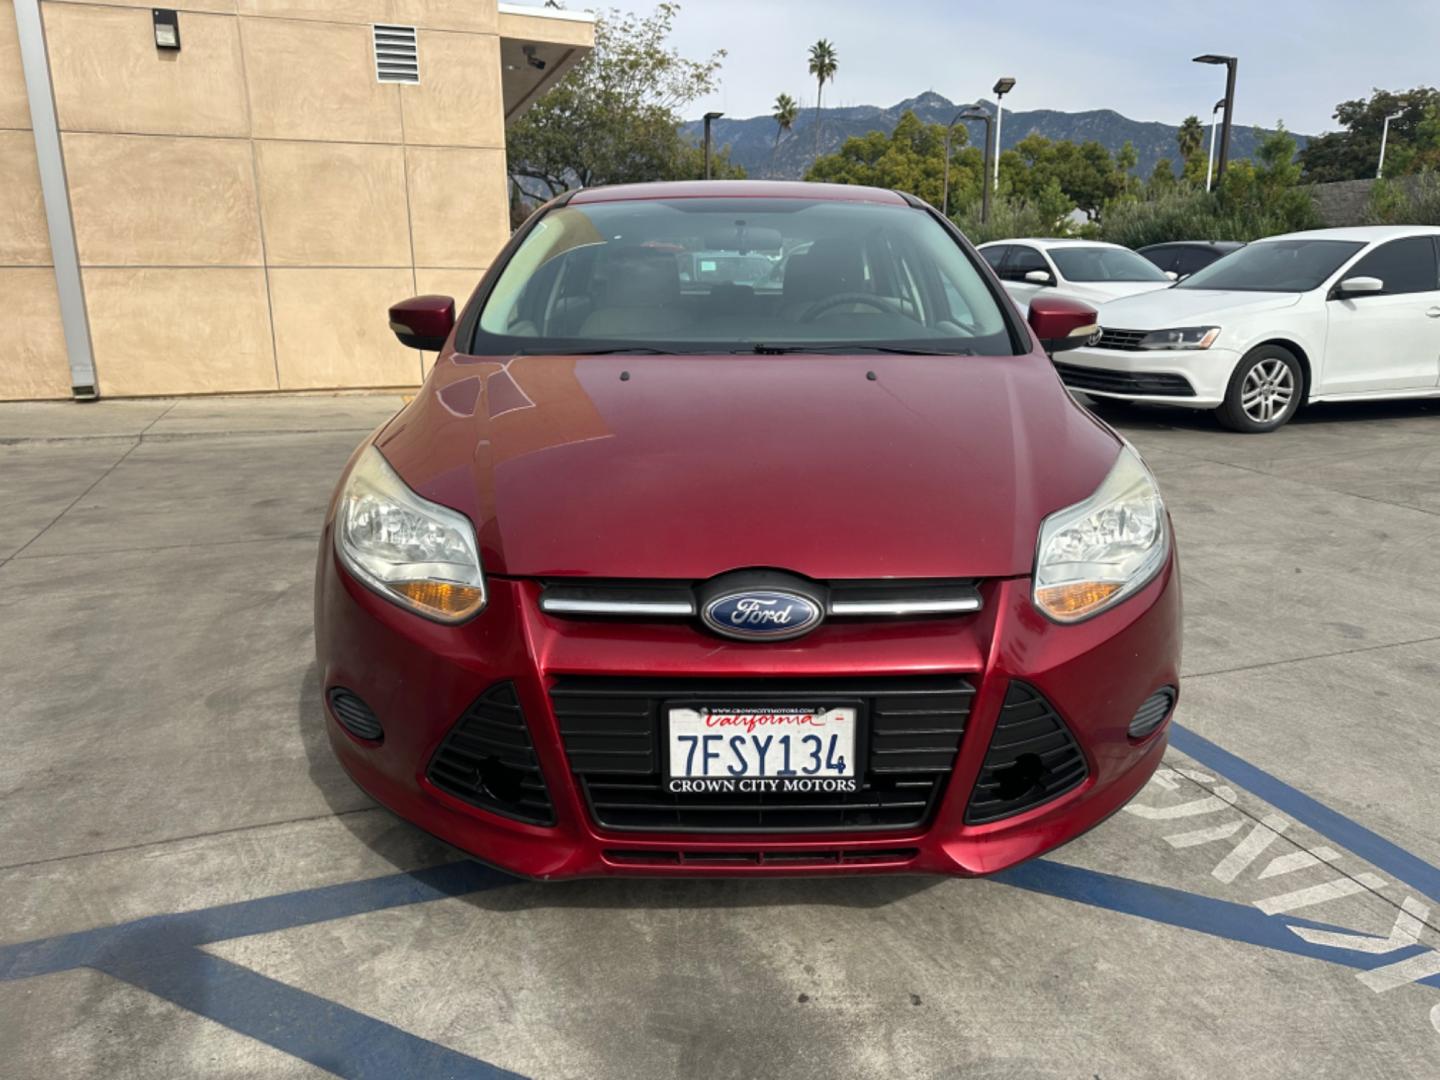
(414, 552)
(1182, 337)
(1094, 554)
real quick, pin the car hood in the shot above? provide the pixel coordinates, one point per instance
(1184, 307)
(683, 467)
(1102, 291)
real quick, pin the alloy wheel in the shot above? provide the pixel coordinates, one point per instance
(1267, 391)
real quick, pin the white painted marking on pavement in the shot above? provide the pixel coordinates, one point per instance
(1196, 775)
(1251, 848)
(1204, 836)
(1408, 923)
(1223, 798)
(1298, 860)
(1318, 894)
(1402, 973)
(1166, 778)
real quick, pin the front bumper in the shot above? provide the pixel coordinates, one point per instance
(419, 677)
(1135, 376)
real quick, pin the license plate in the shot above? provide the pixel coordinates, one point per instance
(754, 749)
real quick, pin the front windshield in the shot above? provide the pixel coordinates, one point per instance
(731, 275)
(1104, 264)
(1274, 266)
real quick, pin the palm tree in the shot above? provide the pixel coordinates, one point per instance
(1190, 137)
(823, 63)
(785, 113)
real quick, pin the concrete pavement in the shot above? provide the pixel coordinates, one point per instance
(1261, 910)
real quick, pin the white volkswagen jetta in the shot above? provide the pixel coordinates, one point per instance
(1087, 270)
(1327, 315)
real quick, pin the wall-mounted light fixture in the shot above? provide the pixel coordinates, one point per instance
(531, 59)
(167, 28)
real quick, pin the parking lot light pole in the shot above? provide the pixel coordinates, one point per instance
(985, 118)
(1384, 135)
(1231, 63)
(710, 118)
(1002, 87)
(1210, 155)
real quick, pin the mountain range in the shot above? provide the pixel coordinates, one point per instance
(750, 140)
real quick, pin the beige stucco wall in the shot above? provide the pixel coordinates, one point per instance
(246, 209)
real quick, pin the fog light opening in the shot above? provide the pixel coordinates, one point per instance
(1021, 778)
(498, 780)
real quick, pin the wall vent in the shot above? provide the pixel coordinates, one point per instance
(396, 58)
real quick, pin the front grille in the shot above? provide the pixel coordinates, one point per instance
(1127, 340)
(790, 859)
(613, 730)
(1154, 383)
(489, 761)
(1032, 759)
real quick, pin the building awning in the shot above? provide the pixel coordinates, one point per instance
(537, 46)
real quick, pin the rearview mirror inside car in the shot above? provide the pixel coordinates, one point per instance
(1061, 323)
(423, 322)
(1359, 286)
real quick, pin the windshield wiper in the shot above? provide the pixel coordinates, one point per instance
(640, 349)
(902, 350)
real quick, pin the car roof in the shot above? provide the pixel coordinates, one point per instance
(1046, 242)
(1218, 245)
(1366, 233)
(737, 189)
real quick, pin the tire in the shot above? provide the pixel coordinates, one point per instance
(1264, 392)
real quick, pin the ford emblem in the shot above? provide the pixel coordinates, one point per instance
(762, 614)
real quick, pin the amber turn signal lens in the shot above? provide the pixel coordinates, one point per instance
(440, 596)
(1075, 600)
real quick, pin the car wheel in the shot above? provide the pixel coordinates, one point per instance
(1264, 390)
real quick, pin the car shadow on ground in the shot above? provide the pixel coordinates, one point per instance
(1167, 418)
(408, 848)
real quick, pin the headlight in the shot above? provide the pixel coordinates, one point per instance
(420, 555)
(1094, 554)
(1184, 337)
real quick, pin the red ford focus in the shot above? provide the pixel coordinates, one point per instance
(746, 528)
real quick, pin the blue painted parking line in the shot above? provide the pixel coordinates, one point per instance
(1370, 846)
(162, 954)
(1192, 911)
(331, 1036)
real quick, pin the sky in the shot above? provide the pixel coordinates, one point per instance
(1298, 58)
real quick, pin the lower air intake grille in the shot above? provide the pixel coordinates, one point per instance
(1149, 383)
(488, 760)
(1152, 712)
(1032, 759)
(354, 715)
(613, 730)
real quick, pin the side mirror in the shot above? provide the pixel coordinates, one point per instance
(1359, 286)
(1039, 277)
(423, 322)
(1061, 323)
(1172, 275)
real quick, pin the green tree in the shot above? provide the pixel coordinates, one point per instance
(823, 63)
(1190, 140)
(1353, 153)
(1254, 199)
(911, 158)
(785, 112)
(1085, 173)
(615, 117)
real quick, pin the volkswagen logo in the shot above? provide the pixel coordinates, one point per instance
(1094, 339)
(762, 614)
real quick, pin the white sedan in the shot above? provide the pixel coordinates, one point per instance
(1327, 315)
(1086, 270)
